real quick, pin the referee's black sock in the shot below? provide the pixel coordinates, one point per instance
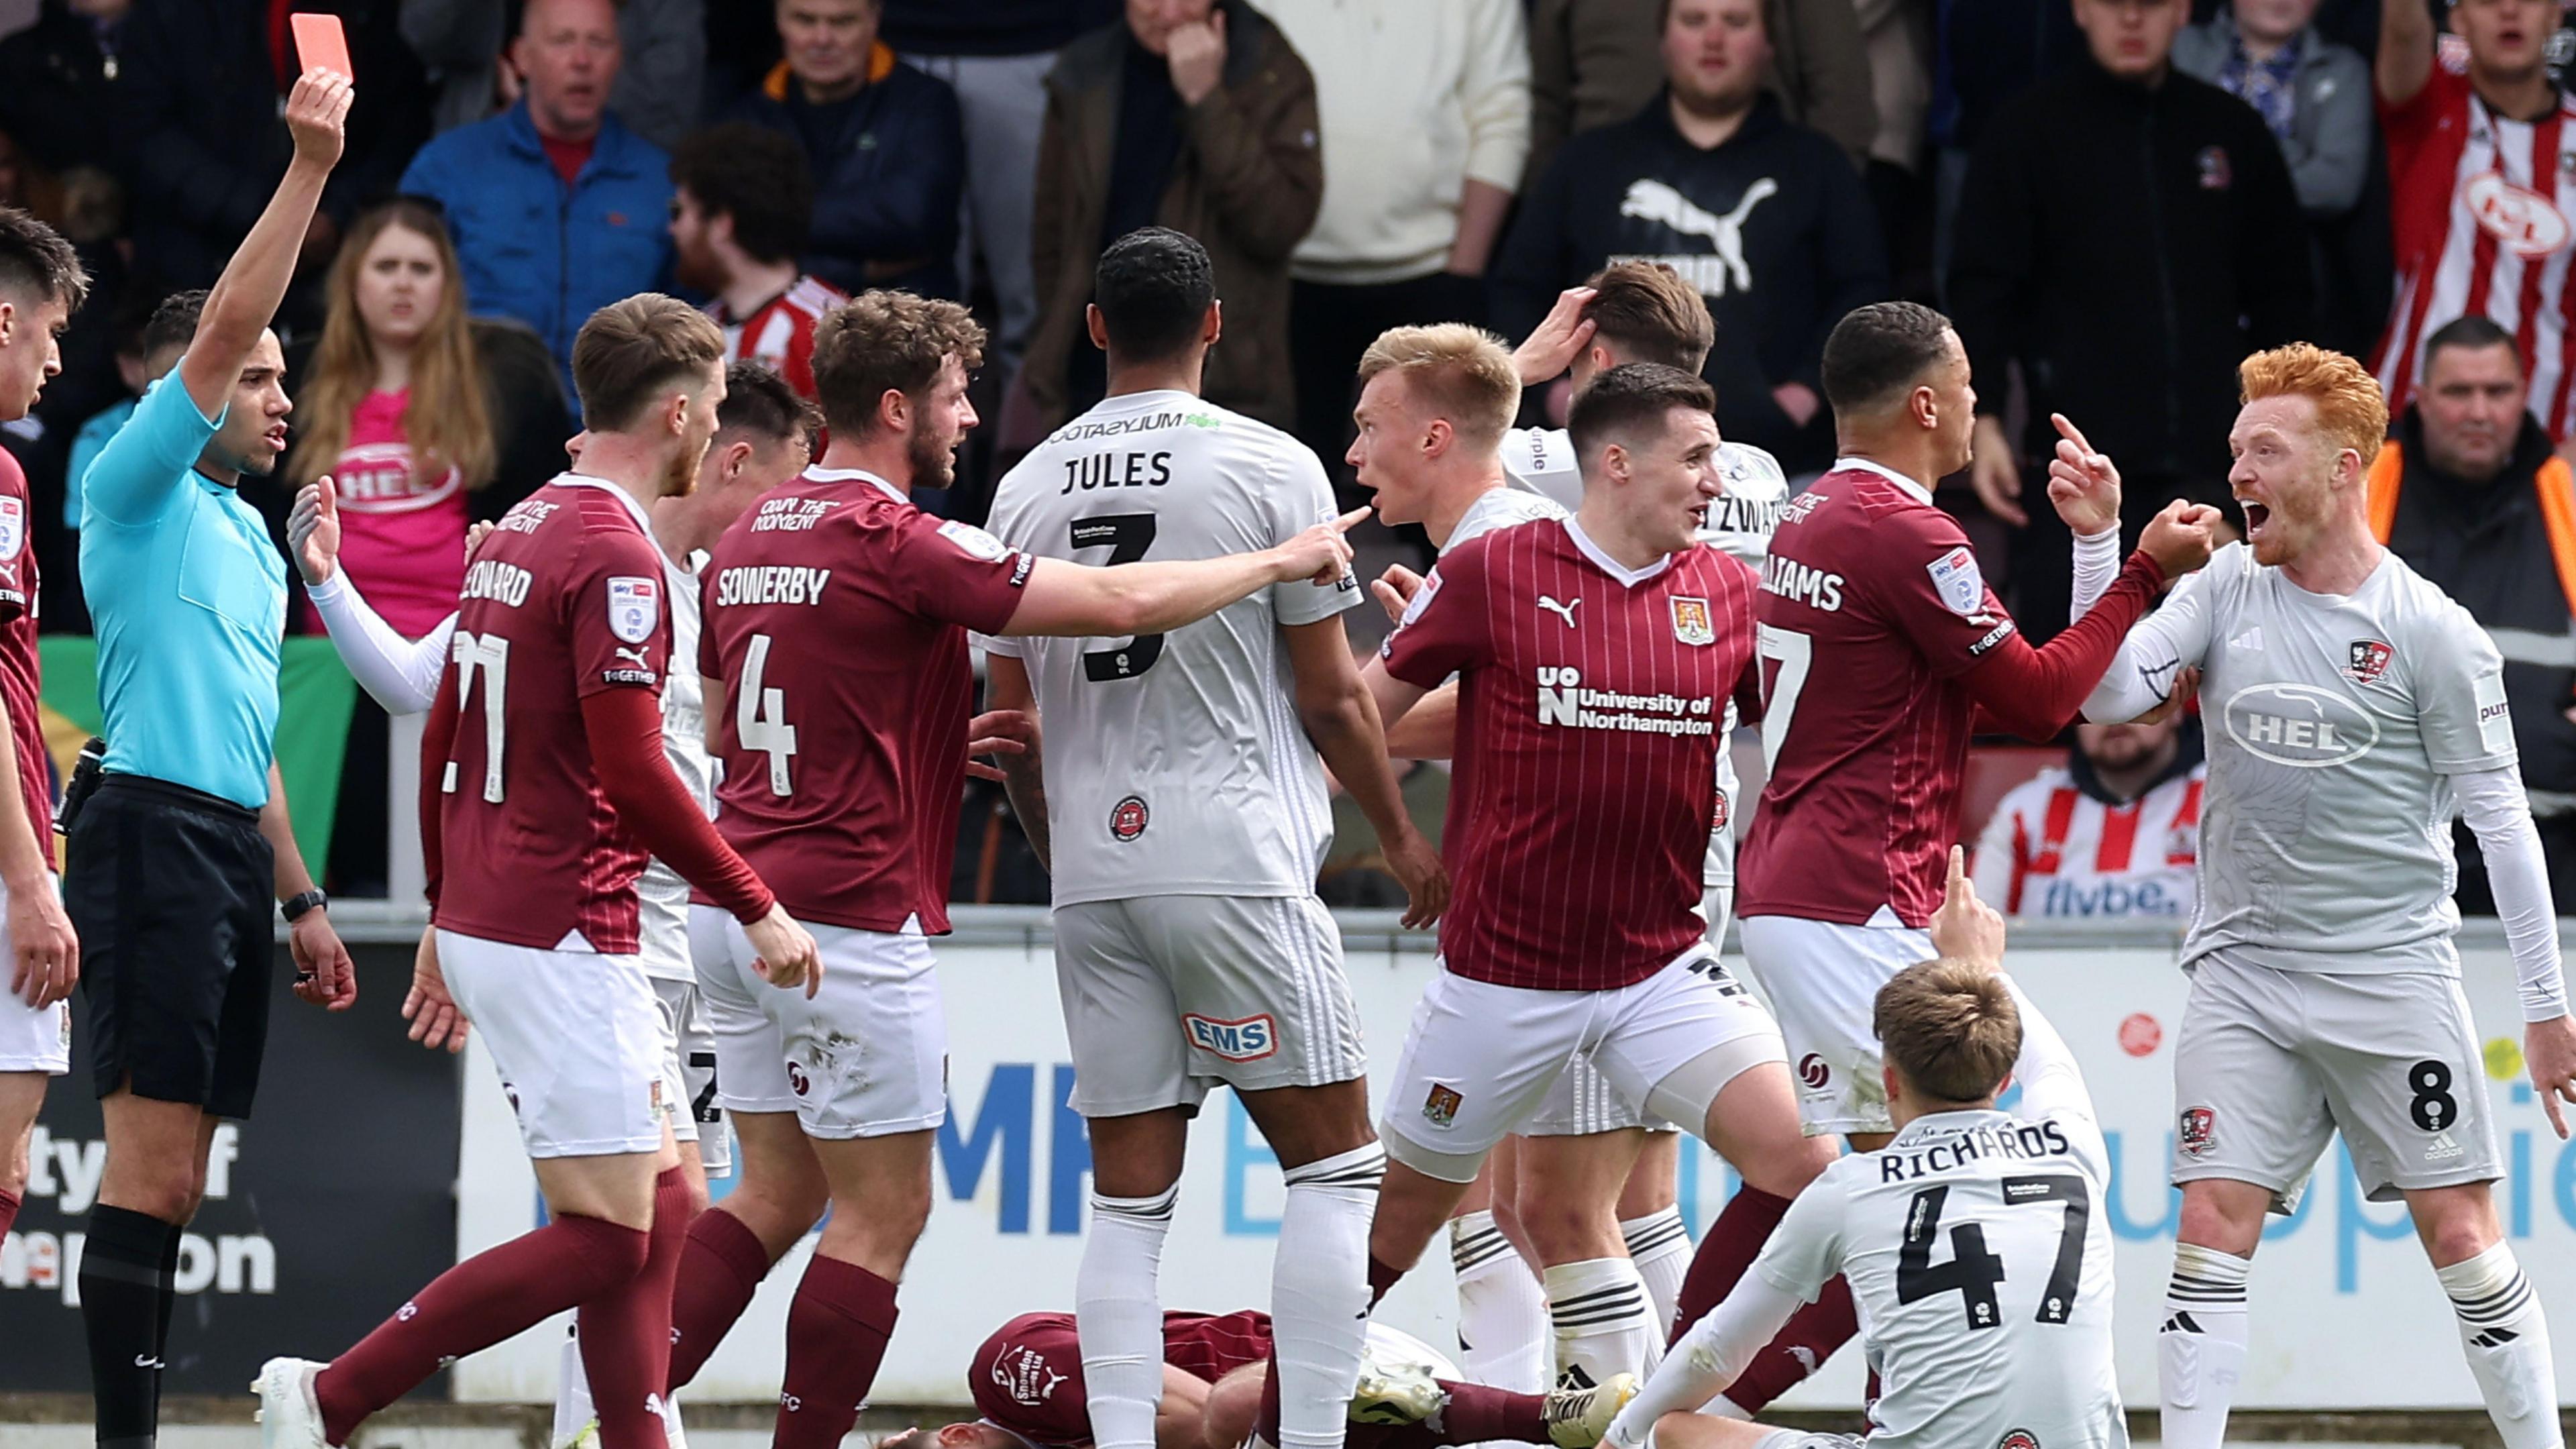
(169, 1296)
(125, 1290)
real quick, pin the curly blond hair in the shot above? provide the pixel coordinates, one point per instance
(2352, 413)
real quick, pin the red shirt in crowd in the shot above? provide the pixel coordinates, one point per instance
(780, 332)
(1028, 1377)
(1585, 776)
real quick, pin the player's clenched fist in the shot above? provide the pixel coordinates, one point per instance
(2181, 537)
(783, 952)
(317, 116)
(1320, 554)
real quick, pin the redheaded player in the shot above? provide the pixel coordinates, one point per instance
(842, 767)
(1596, 656)
(1027, 1383)
(41, 285)
(544, 787)
(1873, 592)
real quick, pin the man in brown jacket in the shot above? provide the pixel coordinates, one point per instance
(1195, 118)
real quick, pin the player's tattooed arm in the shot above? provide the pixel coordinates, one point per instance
(1022, 771)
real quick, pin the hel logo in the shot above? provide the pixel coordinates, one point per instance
(2369, 661)
(2018, 1439)
(634, 607)
(13, 526)
(1127, 818)
(1441, 1106)
(1246, 1040)
(1692, 623)
(797, 1081)
(1956, 579)
(2521, 220)
(2196, 1131)
(1813, 1071)
(2215, 173)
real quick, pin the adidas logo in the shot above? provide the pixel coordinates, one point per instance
(2495, 1338)
(2443, 1148)
(2250, 639)
(2180, 1323)
(1574, 1378)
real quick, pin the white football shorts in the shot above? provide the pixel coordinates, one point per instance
(866, 1057)
(33, 1038)
(577, 1039)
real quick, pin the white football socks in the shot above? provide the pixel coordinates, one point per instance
(1502, 1313)
(2200, 1351)
(2507, 1343)
(1319, 1293)
(1118, 1313)
(1660, 1245)
(1602, 1323)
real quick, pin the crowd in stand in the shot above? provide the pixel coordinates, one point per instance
(2115, 199)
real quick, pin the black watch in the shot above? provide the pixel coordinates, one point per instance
(296, 906)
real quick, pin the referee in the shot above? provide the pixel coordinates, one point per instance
(170, 865)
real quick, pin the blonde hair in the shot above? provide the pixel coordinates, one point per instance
(447, 418)
(2351, 410)
(1950, 1028)
(1461, 373)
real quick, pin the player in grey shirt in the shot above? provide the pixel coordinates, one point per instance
(2351, 708)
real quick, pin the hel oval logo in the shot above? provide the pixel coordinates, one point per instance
(2519, 218)
(1247, 1040)
(2300, 725)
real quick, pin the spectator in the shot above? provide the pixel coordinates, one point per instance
(2468, 492)
(198, 125)
(738, 222)
(1765, 217)
(2482, 210)
(2113, 835)
(661, 80)
(142, 355)
(885, 144)
(1194, 118)
(58, 79)
(1594, 62)
(1986, 52)
(555, 207)
(2126, 235)
(996, 54)
(1405, 231)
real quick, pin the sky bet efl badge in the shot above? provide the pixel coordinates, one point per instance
(1691, 621)
(634, 607)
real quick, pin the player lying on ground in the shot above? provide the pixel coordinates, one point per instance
(1982, 1273)
(1027, 1381)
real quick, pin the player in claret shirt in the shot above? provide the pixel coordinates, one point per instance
(543, 790)
(837, 676)
(1596, 656)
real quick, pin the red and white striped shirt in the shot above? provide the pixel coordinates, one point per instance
(2482, 207)
(2056, 851)
(781, 331)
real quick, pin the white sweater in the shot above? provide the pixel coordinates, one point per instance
(1416, 97)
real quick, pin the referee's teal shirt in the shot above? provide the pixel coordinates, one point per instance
(188, 599)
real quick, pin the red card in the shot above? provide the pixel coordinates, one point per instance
(321, 44)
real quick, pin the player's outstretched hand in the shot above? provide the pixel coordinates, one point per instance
(2082, 484)
(324, 974)
(784, 953)
(1415, 864)
(1559, 338)
(41, 944)
(435, 1019)
(998, 732)
(1319, 555)
(313, 530)
(1965, 926)
(317, 116)
(2550, 1047)
(1394, 591)
(2181, 537)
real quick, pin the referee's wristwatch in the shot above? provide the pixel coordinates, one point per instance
(296, 906)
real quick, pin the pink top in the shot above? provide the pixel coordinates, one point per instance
(402, 534)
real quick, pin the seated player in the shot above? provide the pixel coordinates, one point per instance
(1027, 1384)
(1969, 1240)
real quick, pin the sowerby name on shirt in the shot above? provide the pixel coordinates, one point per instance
(771, 584)
(1562, 700)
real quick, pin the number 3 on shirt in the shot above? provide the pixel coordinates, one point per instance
(1792, 652)
(760, 716)
(1126, 536)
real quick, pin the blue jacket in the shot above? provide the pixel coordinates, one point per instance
(540, 251)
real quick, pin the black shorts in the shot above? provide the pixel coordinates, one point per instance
(173, 892)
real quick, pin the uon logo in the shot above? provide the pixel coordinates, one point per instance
(2520, 219)
(2300, 725)
(1127, 818)
(2196, 1130)
(1813, 1071)
(1247, 1040)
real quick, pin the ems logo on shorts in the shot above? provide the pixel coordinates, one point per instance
(1440, 1108)
(1691, 621)
(2368, 661)
(13, 526)
(1248, 1039)
(1813, 1071)
(2196, 1131)
(634, 607)
(1127, 818)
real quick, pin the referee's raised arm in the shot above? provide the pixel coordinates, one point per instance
(175, 863)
